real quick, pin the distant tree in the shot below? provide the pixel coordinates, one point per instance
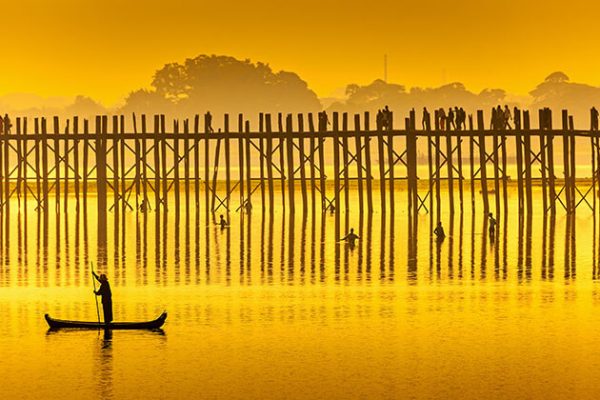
(85, 106)
(224, 84)
(557, 77)
(147, 101)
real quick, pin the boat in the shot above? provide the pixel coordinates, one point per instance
(61, 324)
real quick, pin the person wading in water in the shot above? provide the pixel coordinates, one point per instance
(104, 291)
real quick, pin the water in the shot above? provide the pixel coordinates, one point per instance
(275, 307)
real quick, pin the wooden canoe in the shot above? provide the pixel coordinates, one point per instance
(60, 324)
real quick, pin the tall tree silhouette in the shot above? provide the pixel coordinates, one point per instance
(224, 84)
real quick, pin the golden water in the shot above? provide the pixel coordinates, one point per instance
(276, 308)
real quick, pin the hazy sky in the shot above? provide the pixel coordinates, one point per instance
(105, 48)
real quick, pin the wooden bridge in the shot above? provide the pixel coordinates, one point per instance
(139, 166)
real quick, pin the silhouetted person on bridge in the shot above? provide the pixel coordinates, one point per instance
(387, 118)
(442, 116)
(439, 231)
(104, 291)
(517, 117)
(351, 238)
(208, 121)
(426, 121)
(594, 117)
(323, 121)
(7, 123)
(450, 119)
(507, 117)
(463, 119)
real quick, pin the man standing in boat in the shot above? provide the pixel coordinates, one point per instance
(104, 291)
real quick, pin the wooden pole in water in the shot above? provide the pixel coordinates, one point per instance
(76, 158)
(550, 162)
(19, 162)
(519, 147)
(450, 168)
(321, 129)
(390, 157)
(156, 164)
(186, 163)
(504, 172)
(115, 163)
(482, 163)
(269, 140)
(144, 170)
(206, 165)
(438, 201)
(336, 161)
(573, 163)
(381, 162)
(215, 174)
(290, 160)
(261, 148)
(495, 143)
(25, 168)
(527, 160)
(86, 155)
(460, 168)
(302, 162)
(544, 166)
(44, 144)
(176, 164)
(56, 162)
(345, 161)
(312, 142)
(368, 163)
(248, 165)
(281, 156)
(122, 160)
(36, 131)
(471, 161)
(163, 161)
(567, 164)
(101, 179)
(66, 167)
(197, 161)
(227, 160)
(359, 166)
(241, 153)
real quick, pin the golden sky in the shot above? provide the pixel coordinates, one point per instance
(106, 48)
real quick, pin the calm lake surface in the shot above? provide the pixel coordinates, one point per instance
(274, 307)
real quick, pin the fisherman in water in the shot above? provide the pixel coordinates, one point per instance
(223, 222)
(492, 228)
(351, 238)
(104, 291)
(439, 232)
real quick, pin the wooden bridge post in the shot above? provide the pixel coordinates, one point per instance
(269, 140)
(44, 144)
(567, 163)
(438, 201)
(381, 162)
(450, 166)
(66, 166)
(573, 164)
(321, 138)
(302, 157)
(336, 161)
(37, 144)
(84, 166)
(76, 159)
(56, 149)
(261, 148)
(390, 157)
(101, 179)
(544, 166)
(359, 164)
(227, 160)
(345, 162)
(241, 152)
(207, 127)
(186, 163)
(144, 166)
(368, 162)
(527, 159)
(495, 144)
(482, 162)
(281, 134)
(519, 147)
(248, 167)
(157, 169)
(550, 162)
(163, 162)
(196, 162)
(471, 161)
(313, 173)
(176, 138)
(123, 174)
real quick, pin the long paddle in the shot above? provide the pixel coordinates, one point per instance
(95, 296)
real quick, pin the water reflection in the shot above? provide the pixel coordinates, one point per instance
(304, 246)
